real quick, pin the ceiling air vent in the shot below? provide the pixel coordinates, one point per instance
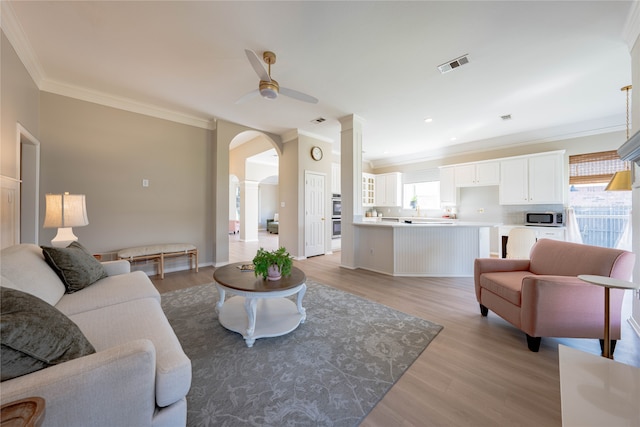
(450, 65)
(318, 120)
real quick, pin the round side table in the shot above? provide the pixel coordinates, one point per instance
(607, 283)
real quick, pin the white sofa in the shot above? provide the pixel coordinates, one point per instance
(138, 375)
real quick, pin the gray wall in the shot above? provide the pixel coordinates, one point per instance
(105, 153)
(19, 104)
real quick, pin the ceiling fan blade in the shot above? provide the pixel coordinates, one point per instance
(257, 65)
(298, 95)
(248, 96)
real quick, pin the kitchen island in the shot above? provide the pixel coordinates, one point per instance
(421, 247)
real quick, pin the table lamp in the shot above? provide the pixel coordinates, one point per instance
(64, 211)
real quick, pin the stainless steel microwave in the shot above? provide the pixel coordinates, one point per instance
(544, 219)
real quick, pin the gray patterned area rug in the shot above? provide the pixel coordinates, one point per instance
(330, 371)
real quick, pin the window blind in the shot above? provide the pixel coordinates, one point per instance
(595, 168)
(424, 175)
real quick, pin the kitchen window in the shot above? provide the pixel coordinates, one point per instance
(425, 195)
(603, 217)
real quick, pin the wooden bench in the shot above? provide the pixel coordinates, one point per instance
(157, 253)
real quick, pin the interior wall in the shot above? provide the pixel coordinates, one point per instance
(306, 164)
(239, 155)
(19, 104)
(269, 203)
(105, 153)
(222, 136)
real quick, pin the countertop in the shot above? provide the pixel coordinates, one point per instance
(422, 222)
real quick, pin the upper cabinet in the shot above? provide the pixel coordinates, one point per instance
(477, 174)
(388, 189)
(368, 189)
(335, 178)
(537, 179)
(448, 190)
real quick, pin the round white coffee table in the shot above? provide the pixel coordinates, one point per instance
(259, 308)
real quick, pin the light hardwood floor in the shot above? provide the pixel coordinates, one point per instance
(477, 371)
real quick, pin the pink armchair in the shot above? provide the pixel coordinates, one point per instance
(543, 297)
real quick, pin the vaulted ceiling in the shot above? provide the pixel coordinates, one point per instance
(555, 67)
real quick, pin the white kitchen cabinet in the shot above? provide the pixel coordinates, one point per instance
(388, 189)
(368, 189)
(448, 190)
(537, 179)
(477, 174)
(335, 178)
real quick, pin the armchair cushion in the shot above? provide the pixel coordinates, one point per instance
(35, 335)
(506, 284)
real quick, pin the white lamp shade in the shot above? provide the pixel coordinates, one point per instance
(65, 210)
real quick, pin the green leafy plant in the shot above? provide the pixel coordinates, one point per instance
(264, 259)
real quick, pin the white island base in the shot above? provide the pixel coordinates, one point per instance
(423, 250)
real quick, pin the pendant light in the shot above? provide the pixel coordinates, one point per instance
(621, 180)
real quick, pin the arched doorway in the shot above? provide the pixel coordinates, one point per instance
(253, 191)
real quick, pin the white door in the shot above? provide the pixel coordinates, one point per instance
(314, 218)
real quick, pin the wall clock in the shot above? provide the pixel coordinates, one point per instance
(316, 153)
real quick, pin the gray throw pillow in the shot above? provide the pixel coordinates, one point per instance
(35, 335)
(75, 266)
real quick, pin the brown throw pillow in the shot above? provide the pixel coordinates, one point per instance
(35, 335)
(75, 266)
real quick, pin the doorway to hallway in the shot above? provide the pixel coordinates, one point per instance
(240, 251)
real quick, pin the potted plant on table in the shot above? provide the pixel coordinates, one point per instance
(272, 265)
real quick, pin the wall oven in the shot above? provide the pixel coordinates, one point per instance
(336, 206)
(336, 231)
(336, 216)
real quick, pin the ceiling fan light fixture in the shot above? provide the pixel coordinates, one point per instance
(269, 90)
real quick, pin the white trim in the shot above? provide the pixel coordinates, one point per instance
(22, 132)
(630, 150)
(16, 35)
(125, 104)
(631, 31)
(292, 134)
(14, 32)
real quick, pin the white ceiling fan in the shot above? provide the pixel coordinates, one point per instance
(269, 88)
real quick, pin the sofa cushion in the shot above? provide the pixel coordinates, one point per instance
(75, 266)
(24, 268)
(109, 291)
(137, 319)
(506, 284)
(35, 335)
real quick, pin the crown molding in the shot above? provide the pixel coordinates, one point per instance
(630, 150)
(631, 31)
(126, 104)
(293, 134)
(16, 36)
(539, 136)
